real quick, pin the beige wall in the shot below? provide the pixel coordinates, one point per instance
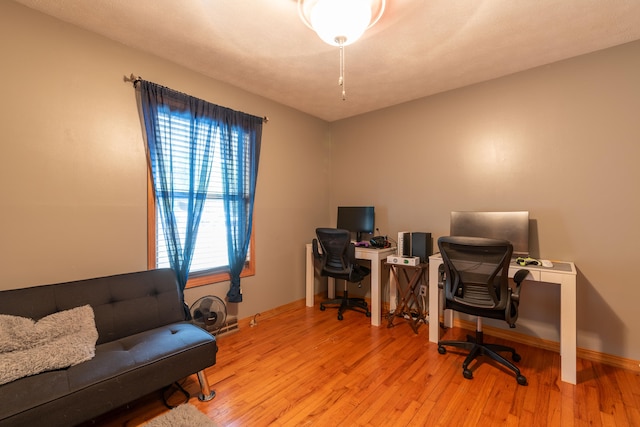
(73, 171)
(561, 141)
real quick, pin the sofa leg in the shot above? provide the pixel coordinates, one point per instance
(206, 394)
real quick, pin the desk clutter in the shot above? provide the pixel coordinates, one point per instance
(523, 261)
(377, 242)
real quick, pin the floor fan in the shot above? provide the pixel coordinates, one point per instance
(209, 313)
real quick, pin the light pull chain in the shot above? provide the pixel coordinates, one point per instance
(340, 40)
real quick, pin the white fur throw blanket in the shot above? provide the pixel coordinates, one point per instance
(57, 341)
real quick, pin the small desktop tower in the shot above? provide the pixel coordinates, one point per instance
(404, 243)
(416, 244)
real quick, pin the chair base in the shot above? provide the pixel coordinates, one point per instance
(477, 347)
(345, 303)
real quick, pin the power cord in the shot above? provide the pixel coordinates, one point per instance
(254, 321)
(180, 389)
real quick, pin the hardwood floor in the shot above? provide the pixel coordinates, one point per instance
(301, 367)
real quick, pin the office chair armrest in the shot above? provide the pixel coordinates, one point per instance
(511, 311)
(518, 278)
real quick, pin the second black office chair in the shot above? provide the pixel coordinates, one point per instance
(338, 258)
(476, 282)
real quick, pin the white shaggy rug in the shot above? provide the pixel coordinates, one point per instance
(185, 415)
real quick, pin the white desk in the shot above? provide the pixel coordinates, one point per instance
(376, 256)
(562, 273)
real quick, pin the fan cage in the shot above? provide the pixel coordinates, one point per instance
(210, 314)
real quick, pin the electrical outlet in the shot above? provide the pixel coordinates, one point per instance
(423, 290)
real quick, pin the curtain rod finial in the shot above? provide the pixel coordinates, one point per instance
(132, 79)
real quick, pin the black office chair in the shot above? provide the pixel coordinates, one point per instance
(338, 258)
(476, 282)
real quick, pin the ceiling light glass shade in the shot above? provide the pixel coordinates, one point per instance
(340, 22)
(336, 20)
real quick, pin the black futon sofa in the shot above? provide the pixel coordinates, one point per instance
(144, 344)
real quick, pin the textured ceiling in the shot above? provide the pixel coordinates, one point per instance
(418, 48)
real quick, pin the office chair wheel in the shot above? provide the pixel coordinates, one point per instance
(442, 350)
(516, 358)
(368, 314)
(522, 380)
(322, 307)
(468, 374)
(340, 316)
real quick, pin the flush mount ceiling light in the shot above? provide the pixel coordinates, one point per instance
(340, 22)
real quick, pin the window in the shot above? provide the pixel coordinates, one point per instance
(210, 261)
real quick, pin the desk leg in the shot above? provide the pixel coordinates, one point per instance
(309, 276)
(376, 292)
(568, 341)
(434, 309)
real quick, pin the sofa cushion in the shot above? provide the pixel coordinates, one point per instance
(129, 353)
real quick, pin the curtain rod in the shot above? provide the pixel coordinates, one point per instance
(134, 80)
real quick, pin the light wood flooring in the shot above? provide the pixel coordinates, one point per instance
(302, 367)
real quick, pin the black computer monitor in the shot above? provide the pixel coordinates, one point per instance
(357, 219)
(511, 226)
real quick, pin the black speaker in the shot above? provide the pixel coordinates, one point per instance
(421, 245)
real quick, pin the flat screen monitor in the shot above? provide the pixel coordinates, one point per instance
(511, 226)
(356, 219)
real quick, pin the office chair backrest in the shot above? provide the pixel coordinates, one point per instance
(338, 252)
(476, 272)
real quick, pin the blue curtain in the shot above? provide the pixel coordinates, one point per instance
(169, 182)
(209, 124)
(239, 176)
